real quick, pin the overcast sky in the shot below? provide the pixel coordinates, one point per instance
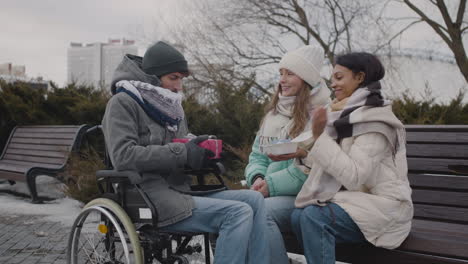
(37, 33)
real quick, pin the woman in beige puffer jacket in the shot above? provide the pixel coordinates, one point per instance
(357, 187)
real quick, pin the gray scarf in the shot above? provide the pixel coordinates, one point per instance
(162, 105)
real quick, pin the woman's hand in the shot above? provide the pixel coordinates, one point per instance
(300, 154)
(319, 122)
(257, 184)
(261, 186)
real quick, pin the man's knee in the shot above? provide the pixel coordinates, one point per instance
(242, 210)
(255, 200)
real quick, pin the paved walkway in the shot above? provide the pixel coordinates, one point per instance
(31, 240)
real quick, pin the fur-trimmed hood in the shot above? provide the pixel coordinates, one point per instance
(130, 70)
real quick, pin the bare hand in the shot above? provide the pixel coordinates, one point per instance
(264, 189)
(261, 186)
(319, 122)
(300, 153)
(257, 184)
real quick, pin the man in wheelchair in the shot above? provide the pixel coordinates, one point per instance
(141, 120)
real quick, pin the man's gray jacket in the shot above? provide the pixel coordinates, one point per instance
(136, 142)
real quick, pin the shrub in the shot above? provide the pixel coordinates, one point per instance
(81, 183)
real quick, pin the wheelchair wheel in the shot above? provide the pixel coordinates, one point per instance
(103, 233)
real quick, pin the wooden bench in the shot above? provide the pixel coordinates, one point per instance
(438, 173)
(38, 150)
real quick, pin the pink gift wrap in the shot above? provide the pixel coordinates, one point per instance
(215, 145)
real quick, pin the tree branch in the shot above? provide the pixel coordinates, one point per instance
(461, 12)
(397, 34)
(436, 26)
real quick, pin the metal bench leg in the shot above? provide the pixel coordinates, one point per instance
(31, 181)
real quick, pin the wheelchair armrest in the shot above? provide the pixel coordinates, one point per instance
(133, 176)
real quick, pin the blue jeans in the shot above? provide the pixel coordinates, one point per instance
(279, 209)
(318, 229)
(239, 219)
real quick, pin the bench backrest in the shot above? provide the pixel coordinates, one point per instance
(436, 156)
(42, 146)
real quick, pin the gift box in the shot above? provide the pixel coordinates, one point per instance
(215, 145)
(280, 148)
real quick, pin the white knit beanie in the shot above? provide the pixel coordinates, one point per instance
(305, 62)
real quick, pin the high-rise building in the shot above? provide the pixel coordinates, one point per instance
(12, 70)
(10, 73)
(94, 64)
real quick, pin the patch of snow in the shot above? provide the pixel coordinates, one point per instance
(46, 187)
(63, 210)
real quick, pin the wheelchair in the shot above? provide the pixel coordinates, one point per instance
(120, 227)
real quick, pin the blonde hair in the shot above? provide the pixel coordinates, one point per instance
(300, 112)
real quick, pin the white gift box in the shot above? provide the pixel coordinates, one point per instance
(304, 140)
(280, 148)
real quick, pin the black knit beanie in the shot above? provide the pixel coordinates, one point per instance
(161, 59)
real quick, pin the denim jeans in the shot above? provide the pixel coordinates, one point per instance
(319, 228)
(279, 209)
(239, 218)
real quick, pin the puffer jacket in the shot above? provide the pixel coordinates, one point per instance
(283, 177)
(377, 193)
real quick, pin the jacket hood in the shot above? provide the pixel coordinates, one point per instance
(130, 70)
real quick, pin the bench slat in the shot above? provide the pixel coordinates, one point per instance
(31, 164)
(373, 255)
(454, 182)
(48, 129)
(440, 197)
(443, 213)
(57, 161)
(437, 151)
(60, 148)
(437, 137)
(436, 128)
(38, 153)
(42, 141)
(18, 168)
(439, 227)
(12, 176)
(439, 244)
(433, 165)
(45, 135)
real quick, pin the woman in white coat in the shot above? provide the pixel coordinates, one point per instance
(357, 188)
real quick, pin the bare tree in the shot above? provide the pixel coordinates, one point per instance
(247, 37)
(451, 30)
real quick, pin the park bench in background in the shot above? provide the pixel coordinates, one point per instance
(38, 150)
(438, 173)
